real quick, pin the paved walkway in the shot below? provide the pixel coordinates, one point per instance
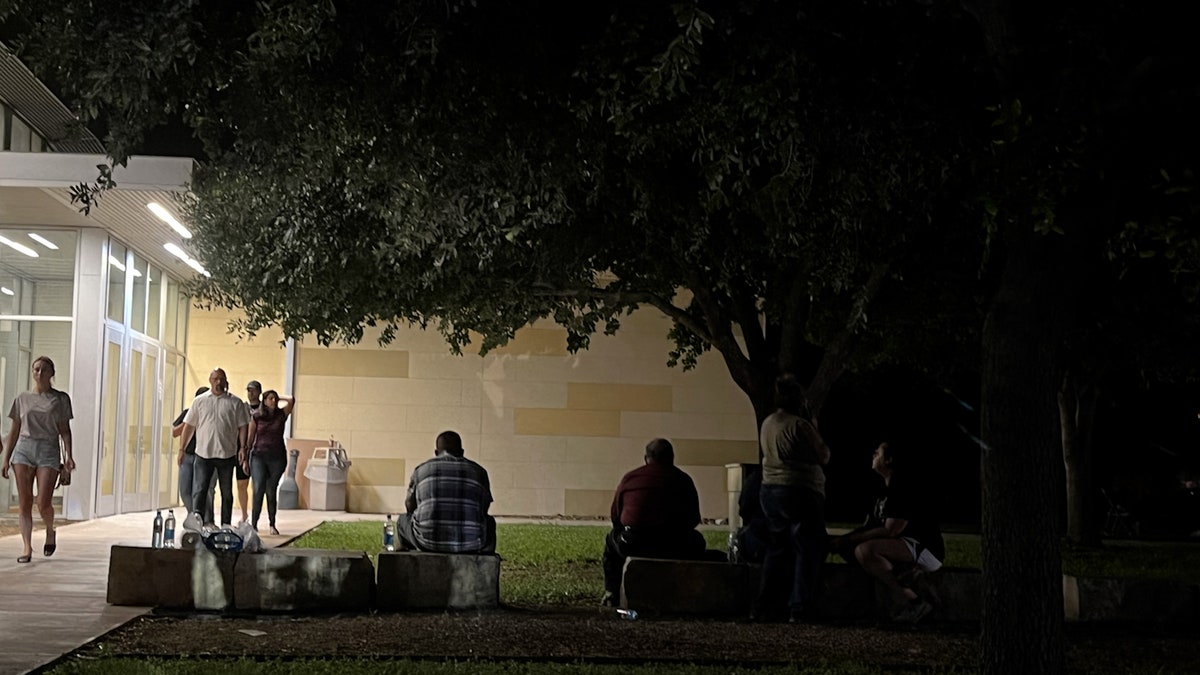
(52, 606)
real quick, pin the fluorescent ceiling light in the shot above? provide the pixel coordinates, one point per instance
(43, 241)
(6, 290)
(169, 219)
(18, 247)
(191, 262)
(116, 263)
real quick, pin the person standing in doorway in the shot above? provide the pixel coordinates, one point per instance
(793, 500)
(38, 448)
(187, 462)
(220, 422)
(242, 470)
(268, 456)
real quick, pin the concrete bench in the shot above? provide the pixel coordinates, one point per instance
(715, 588)
(278, 580)
(421, 580)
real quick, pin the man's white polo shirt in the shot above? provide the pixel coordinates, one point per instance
(217, 419)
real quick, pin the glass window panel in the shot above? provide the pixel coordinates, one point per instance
(19, 135)
(110, 398)
(168, 488)
(171, 314)
(133, 439)
(146, 427)
(43, 285)
(154, 302)
(181, 326)
(137, 319)
(116, 282)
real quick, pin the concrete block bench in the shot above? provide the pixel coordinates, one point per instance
(688, 586)
(175, 578)
(278, 580)
(421, 580)
(303, 580)
(716, 588)
(1148, 600)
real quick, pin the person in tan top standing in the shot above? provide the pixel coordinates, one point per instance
(40, 418)
(793, 501)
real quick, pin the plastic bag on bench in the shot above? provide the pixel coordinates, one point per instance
(222, 540)
(251, 542)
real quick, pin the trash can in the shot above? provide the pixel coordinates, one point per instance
(326, 474)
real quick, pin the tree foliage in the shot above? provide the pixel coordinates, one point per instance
(756, 170)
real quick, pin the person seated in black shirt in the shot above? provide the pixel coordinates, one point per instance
(901, 530)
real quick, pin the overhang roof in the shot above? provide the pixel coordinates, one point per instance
(35, 186)
(35, 193)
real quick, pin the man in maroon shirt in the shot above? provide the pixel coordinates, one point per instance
(654, 515)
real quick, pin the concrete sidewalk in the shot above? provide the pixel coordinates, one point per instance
(52, 606)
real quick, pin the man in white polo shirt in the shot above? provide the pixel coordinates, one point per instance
(220, 422)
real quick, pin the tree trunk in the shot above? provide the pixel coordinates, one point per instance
(1077, 414)
(1022, 628)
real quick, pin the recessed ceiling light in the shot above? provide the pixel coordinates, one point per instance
(43, 241)
(188, 260)
(165, 216)
(18, 247)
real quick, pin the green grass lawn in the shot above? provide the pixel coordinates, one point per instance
(546, 564)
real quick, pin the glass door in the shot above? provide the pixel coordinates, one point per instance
(168, 467)
(111, 436)
(138, 462)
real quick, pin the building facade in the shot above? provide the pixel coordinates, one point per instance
(555, 430)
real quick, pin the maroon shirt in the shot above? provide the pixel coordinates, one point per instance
(656, 496)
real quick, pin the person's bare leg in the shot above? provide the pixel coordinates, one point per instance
(46, 478)
(876, 557)
(25, 475)
(243, 497)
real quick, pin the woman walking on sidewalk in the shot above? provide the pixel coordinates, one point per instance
(39, 419)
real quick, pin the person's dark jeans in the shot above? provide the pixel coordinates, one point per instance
(795, 549)
(185, 487)
(266, 470)
(407, 541)
(621, 543)
(201, 476)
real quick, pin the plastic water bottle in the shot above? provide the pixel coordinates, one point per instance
(389, 534)
(630, 614)
(156, 535)
(169, 530)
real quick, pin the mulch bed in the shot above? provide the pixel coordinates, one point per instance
(573, 635)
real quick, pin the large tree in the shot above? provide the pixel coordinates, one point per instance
(756, 171)
(1087, 111)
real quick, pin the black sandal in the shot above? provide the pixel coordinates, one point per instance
(49, 548)
(28, 557)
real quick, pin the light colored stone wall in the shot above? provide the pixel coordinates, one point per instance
(556, 431)
(210, 345)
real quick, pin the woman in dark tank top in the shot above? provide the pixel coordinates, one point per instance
(268, 456)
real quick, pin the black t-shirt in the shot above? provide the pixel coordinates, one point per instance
(191, 446)
(905, 500)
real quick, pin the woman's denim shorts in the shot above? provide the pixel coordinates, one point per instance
(37, 452)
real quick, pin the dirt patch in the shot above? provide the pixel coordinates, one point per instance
(588, 635)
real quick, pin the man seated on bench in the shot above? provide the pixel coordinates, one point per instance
(655, 512)
(901, 530)
(447, 504)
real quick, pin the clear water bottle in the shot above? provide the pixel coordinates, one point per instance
(629, 614)
(389, 534)
(156, 535)
(169, 530)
